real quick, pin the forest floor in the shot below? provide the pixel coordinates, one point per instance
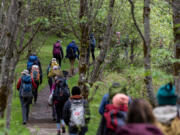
(40, 119)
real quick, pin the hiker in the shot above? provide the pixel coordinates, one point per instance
(114, 89)
(92, 44)
(35, 74)
(140, 120)
(60, 96)
(34, 60)
(52, 70)
(25, 86)
(76, 113)
(58, 51)
(71, 51)
(167, 113)
(115, 115)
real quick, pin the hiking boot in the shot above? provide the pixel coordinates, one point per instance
(63, 129)
(24, 123)
(58, 132)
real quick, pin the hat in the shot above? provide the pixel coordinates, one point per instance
(120, 99)
(166, 95)
(76, 90)
(53, 59)
(25, 72)
(114, 89)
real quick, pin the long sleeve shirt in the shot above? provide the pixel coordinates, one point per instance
(19, 84)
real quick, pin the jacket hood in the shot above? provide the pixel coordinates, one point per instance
(76, 97)
(165, 114)
(138, 129)
(123, 107)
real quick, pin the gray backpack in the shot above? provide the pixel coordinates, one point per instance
(77, 113)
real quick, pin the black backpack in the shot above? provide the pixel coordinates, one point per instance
(70, 53)
(61, 91)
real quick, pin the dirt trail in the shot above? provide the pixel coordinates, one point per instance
(40, 118)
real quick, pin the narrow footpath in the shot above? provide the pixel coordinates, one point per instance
(40, 118)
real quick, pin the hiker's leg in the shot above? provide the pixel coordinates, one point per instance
(71, 66)
(23, 106)
(60, 61)
(73, 61)
(50, 81)
(57, 106)
(53, 113)
(92, 52)
(83, 131)
(36, 92)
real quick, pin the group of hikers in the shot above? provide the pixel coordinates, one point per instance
(120, 113)
(123, 115)
(66, 109)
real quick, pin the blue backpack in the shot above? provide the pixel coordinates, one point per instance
(33, 60)
(26, 86)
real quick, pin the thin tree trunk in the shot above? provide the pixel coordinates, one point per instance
(147, 53)
(106, 43)
(176, 28)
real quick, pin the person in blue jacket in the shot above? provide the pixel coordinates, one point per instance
(72, 52)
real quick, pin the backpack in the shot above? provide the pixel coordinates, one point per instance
(26, 86)
(56, 49)
(114, 117)
(54, 65)
(61, 91)
(70, 53)
(35, 72)
(33, 60)
(77, 117)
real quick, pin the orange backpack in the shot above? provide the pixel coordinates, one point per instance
(35, 72)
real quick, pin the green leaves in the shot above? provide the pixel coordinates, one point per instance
(41, 20)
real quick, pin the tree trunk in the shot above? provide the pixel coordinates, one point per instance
(9, 43)
(84, 27)
(106, 43)
(147, 53)
(176, 28)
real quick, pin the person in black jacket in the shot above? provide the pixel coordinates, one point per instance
(75, 101)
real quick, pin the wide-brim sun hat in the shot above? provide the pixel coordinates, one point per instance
(25, 72)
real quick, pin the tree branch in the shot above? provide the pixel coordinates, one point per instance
(135, 23)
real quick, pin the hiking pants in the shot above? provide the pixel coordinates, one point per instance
(35, 91)
(53, 112)
(50, 82)
(25, 105)
(92, 53)
(58, 58)
(59, 113)
(72, 61)
(75, 130)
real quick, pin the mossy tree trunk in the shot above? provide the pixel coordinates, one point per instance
(84, 27)
(147, 53)
(176, 28)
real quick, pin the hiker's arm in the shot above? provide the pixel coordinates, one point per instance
(103, 104)
(34, 84)
(19, 84)
(66, 112)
